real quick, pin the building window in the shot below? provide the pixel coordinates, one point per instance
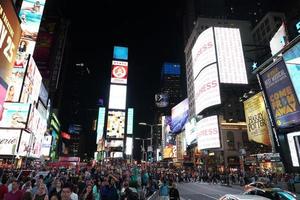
(230, 140)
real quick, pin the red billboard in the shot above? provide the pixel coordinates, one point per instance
(119, 72)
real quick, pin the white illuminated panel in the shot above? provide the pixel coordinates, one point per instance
(117, 97)
(100, 124)
(231, 61)
(115, 124)
(119, 72)
(128, 146)
(130, 121)
(278, 41)
(203, 52)
(208, 134)
(46, 145)
(207, 89)
(116, 154)
(9, 141)
(24, 144)
(293, 150)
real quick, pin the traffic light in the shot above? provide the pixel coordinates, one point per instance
(149, 156)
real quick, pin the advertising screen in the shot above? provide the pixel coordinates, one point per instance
(292, 61)
(207, 89)
(257, 120)
(162, 100)
(32, 83)
(170, 151)
(294, 145)
(100, 124)
(128, 146)
(9, 139)
(43, 94)
(278, 41)
(190, 132)
(10, 34)
(115, 124)
(46, 145)
(208, 133)
(180, 115)
(15, 115)
(17, 78)
(231, 61)
(280, 94)
(203, 51)
(120, 53)
(35, 149)
(171, 69)
(167, 136)
(130, 121)
(119, 72)
(117, 97)
(114, 143)
(116, 154)
(24, 144)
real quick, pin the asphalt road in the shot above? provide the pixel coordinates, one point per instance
(204, 191)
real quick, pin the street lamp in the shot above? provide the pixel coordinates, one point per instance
(143, 147)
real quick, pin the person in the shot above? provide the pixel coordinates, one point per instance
(41, 193)
(164, 191)
(174, 194)
(66, 192)
(3, 187)
(96, 190)
(35, 8)
(15, 193)
(22, 46)
(88, 193)
(57, 190)
(27, 196)
(10, 93)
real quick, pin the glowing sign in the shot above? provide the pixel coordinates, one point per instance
(9, 141)
(120, 53)
(100, 124)
(115, 124)
(119, 72)
(293, 139)
(128, 146)
(15, 115)
(130, 121)
(279, 40)
(298, 27)
(117, 97)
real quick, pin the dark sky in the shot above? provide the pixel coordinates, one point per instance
(150, 29)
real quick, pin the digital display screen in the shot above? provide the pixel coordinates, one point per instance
(9, 141)
(120, 53)
(129, 146)
(294, 144)
(119, 72)
(115, 124)
(130, 121)
(180, 114)
(100, 124)
(15, 115)
(117, 97)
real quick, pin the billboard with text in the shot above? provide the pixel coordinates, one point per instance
(9, 141)
(15, 115)
(180, 114)
(119, 72)
(115, 124)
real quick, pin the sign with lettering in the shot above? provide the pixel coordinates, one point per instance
(9, 139)
(281, 95)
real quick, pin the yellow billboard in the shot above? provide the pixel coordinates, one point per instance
(257, 120)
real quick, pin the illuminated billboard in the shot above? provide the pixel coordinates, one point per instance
(257, 120)
(114, 143)
(10, 34)
(32, 83)
(231, 63)
(294, 145)
(120, 53)
(203, 51)
(190, 131)
(208, 133)
(171, 69)
(281, 96)
(100, 124)
(43, 96)
(129, 146)
(170, 151)
(15, 115)
(119, 72)
(180, 114)
(279, 40)
(130, 121)
(162, 100)
(207, 88)
(24, 143)
(117, 97)
(115, 124)
(9, 141)
(292, 60)
(116, 154)
(46, 145)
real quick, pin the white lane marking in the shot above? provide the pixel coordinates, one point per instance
(208, 196)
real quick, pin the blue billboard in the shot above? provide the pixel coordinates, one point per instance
(292, 61)
(180, 114)
(281, 96)
(171, 69)
(120, 53)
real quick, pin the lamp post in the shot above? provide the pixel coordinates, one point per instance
(143, 146)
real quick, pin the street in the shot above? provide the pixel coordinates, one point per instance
(205, 191)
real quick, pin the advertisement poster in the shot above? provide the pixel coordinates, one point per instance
(280, 94)
(119, 72)
(292, 61)
(294, 145)
(130, 121)
(117, 97)
(129, 146)
(207, 89)
(203, 51)
(15, 115)
(161, 100)
(208, 133)
(115, 124)
(10, 35)
(46, 145)
(9, 140)
(180, 114)
(24, 144)
(100, 124)
(257, 120)
(120, 53)
(170, 151)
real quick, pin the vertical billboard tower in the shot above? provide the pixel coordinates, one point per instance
(116, 114)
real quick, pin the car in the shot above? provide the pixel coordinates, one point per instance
(272, 193)
(242, 197)
(255, 185)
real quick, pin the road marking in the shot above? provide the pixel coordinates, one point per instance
(208, 196)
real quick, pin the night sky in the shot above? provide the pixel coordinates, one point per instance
(151, 30)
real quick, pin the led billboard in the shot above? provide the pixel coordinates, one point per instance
(116, 154)
(100, 124)
(24, 144)
(281, 96)
(208, 133)
(292, 61)
(128, 146)
(207, 88)
(190, 132)
(180, 115)
(231, 63)
(9, 139)
(10, 34)
(117, 97)
(119, 72)
(203, 51)
(130, 121)
(162, 100)
(170, 151)
(120, 53)
(15, 115)
(294, 145)
(257, 120)
(171, 69)
(114, 143)
(46, 145)
(115, 124)
(279, 40)
(43, 96)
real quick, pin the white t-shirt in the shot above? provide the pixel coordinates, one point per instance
(74, 196)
